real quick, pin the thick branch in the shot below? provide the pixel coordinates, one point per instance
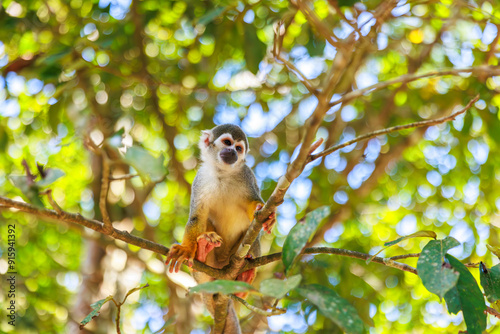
(394, 129)
(220, 314)
(99, 227)
(160, 249)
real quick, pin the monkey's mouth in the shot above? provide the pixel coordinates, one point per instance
(228, 156)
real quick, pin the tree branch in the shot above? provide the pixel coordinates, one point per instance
(221, 302)
(493, 70)
(275, 311)
(124, 177)
(53, 203)
(98, 226)
(103, 197)
(298, 73)
(336, 251)
(492, 311)
(404, 256)
(394, 129)
(160, 249)
(316, 23)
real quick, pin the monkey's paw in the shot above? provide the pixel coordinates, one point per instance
(177, 255)
(206, 243)
(270, 221)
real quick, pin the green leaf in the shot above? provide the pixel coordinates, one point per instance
(96, 307)
(470, 297)
(28, 188)
(146, 165)
(347, 3)
(334, 307)
(468, 118)
(300, 233)
(254, 49)
(494, 250)
(55, 57)
(51, 175)
(211, 15)
(279, 288)
(452, 299)
(314, 46)
(419, 234)
(222, 286)
(436, 276)
(490, 281)
(428, 234)
(494, 128)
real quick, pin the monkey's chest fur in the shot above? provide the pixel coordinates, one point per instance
(228, 207)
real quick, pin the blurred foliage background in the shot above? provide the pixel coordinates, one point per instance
(152, 75)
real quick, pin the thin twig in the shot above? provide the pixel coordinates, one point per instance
(472, 265)
(404, 256)
(393, 129)
(492, 311)
(354, 25)
(122, 177)
(298, 73)
(492, 70)
(53, 203)
(315, 22)
(117, 318)
(275, 311)
(263, 260)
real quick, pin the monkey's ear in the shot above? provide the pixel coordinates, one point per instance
(205, 139)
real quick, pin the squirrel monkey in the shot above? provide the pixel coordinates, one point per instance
(224, 198)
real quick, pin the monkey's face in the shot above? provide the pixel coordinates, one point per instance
(224, 151)
(231, 151)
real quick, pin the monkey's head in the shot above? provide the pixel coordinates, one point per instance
(226, 146)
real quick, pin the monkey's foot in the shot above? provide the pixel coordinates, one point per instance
(178, 254)
(206, 243)
(270, 221)
(246, 276)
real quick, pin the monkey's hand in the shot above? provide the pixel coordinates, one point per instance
(178, 254)
(206, 243)
(246, 276)
(270, 221)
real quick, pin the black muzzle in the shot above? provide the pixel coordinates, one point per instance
(229, 156)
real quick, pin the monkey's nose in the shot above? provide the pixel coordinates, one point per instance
(229, 156)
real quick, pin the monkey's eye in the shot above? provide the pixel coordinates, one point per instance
(239, 148)
(227, 142)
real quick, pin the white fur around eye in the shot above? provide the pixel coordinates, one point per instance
(224, 137)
